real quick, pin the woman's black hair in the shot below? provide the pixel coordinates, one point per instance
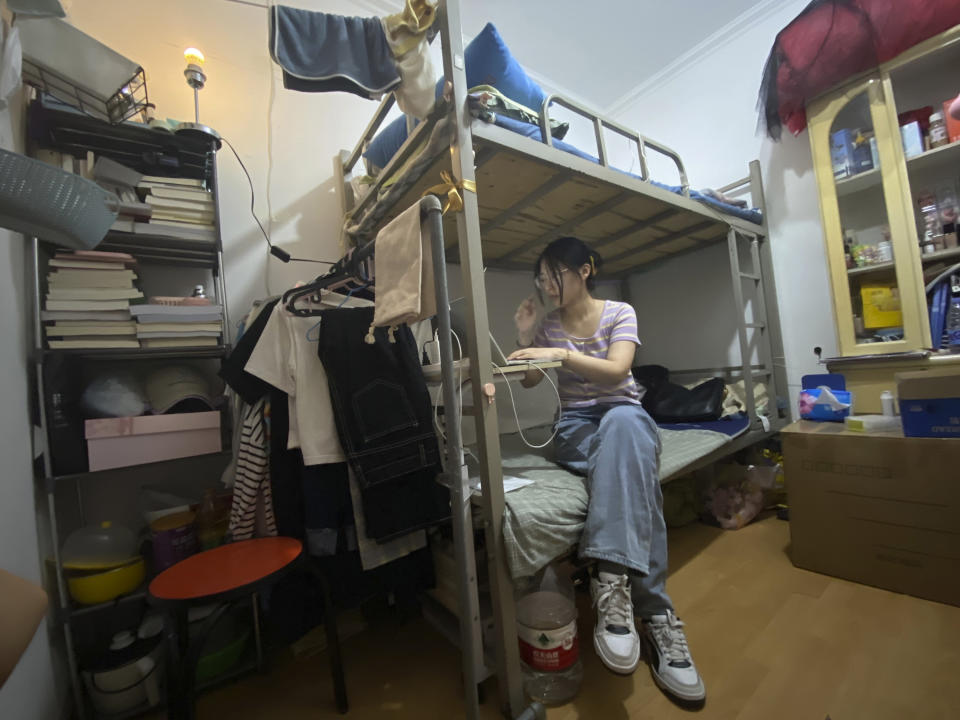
(567, 252)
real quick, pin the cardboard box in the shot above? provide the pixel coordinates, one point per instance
(876, 508)
(881, 306)
(930, 404)
(120, 442)
(841, 153)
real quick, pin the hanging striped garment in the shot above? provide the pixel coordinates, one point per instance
(251, 485)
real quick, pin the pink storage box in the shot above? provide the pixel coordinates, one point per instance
(119, 442)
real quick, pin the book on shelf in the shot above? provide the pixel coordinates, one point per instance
(166, 319)
(181, 231)
(94, 343)
(197, 195)
(195, 342)
(154, 180)
(184, 216)
(70, 278)
(85, 315)
(183, 326)
(176, 313)
(85, 265)
(146, 332)
(87, 304)
(160, 203)
(93, 293)
(98, 256)
(118, 328)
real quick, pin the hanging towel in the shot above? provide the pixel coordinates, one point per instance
(406, 28)
(416, 94)
(405, 292)
(406, 34)
(320, 52)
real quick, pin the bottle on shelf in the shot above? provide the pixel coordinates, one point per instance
(209, 530)
(937, 131)
(929, 221)
(547, 630)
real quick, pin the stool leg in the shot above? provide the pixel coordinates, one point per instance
(176, 638)
(192, 657)
(257, 638)
(333, 641)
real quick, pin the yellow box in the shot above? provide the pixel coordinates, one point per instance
(881, 306)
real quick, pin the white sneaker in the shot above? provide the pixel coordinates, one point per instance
(615, 636)
(671, 664)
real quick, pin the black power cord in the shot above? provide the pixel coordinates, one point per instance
(277, 252)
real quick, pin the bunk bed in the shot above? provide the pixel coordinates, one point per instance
(509, 193)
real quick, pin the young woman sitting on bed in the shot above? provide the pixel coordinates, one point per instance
(605, 434)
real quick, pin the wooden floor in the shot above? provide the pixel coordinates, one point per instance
(772, 642)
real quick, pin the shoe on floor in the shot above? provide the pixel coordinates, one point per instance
(615, 635)
(670, 661)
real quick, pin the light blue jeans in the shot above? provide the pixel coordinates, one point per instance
(617, 448)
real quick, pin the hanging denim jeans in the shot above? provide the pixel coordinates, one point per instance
(383, 414)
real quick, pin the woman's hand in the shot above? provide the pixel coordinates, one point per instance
(526, 321)
(545, 354)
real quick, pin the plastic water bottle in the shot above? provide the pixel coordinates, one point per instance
(547, 631)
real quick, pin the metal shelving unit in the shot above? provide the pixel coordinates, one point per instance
(51, 126)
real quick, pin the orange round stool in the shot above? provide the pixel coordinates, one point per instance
(224, 575)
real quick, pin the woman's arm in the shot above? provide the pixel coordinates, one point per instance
(605, 371)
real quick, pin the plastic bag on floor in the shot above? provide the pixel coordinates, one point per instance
(735, 495)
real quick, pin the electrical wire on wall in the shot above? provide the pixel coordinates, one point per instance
(275, 251)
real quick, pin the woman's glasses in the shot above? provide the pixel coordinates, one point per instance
(542, 282)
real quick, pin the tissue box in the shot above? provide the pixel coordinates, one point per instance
(810, 409)
(930, 403)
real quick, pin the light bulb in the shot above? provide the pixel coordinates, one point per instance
(193, 56)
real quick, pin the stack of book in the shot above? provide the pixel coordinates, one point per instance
(180, 208)
(179, 326)
(88, 301)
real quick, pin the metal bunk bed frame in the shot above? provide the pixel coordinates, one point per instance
(638, 225)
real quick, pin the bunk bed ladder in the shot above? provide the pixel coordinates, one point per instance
(760, 326)
(481, 375)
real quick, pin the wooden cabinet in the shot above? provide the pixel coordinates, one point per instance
(888, 202)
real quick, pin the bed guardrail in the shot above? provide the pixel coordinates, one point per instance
(600, 123)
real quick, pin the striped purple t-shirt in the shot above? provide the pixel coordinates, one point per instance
(617, 322)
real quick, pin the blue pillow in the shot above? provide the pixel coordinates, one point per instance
(488, 62)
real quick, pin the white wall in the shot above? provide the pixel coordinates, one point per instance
(32, 692)
(704, 106)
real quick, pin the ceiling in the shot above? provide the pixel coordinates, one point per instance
(598, 51)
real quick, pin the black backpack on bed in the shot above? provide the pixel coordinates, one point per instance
(668, 402)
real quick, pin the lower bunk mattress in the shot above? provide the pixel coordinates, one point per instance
(544, 520)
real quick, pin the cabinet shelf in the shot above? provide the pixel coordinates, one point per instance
(226, 453)
(142, 353)
(888, 266)
(942, 157)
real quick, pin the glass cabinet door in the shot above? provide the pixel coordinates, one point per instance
(921, 87)
(872, 264)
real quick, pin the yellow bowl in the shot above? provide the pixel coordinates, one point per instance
(100, 587)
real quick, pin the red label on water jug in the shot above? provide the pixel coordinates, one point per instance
(549, 650)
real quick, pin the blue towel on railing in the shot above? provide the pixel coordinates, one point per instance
(320, 52)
